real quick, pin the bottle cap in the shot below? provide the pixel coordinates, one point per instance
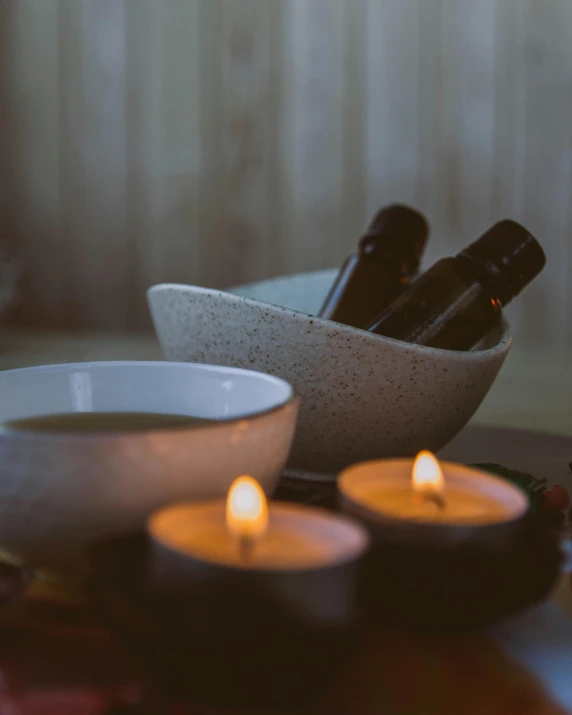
(516, 255)
(398, 225)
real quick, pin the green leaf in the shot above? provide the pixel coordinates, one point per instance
(533, 487)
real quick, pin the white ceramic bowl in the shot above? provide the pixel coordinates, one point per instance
(59, 493)
(363, 396)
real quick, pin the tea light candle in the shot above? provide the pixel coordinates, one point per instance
(300, 562)
(257, 589)
(246, 534)
(426, 492)
(444, 537)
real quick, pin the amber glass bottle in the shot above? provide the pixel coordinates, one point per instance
(458, 301)
(388, 256)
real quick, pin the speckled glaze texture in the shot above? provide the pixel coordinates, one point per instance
(363, 396)
(60, 493)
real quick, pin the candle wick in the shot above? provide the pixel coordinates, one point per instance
(245, 548)
(435, 498)
(430, 496)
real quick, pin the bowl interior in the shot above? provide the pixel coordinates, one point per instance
(205, 391)
(304, 292)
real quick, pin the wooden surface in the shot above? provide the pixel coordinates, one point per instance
(60, 660)
(532, 391)
(221, 141)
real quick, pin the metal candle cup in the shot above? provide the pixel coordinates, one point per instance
(314, 590)
(290, 592)
(477, 506)
(437, 550)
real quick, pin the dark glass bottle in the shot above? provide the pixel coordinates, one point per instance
(458, 301)
(388, 256)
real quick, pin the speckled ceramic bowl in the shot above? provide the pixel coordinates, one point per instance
(363, 396)
(60, 492)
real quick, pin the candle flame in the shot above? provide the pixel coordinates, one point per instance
(246, 509)
(427, 474)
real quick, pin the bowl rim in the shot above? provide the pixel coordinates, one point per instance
(501, 347)
(291, 398)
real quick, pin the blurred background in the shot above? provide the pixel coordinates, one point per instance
(216, 142)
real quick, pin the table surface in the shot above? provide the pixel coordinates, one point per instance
(533, 391)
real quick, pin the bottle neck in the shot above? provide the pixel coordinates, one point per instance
(506, 259)
(491, 273)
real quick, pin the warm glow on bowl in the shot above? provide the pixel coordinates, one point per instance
(246, 509)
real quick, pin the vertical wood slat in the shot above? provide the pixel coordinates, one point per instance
(7, 22)
(164, 146)
(312, 128)
(142, 117)
(471, 36)
(72, 162)
(33, 136)
(392, 104)
(92, 63)
(546, 58)
(178, 150)
(353, 201)
(447, 218)
(509, 121)
(276, 116)
(463, 123)
(212, 221)
(238, 241)
(429, 87)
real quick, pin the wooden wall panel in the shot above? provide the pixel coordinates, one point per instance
(219, 141)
